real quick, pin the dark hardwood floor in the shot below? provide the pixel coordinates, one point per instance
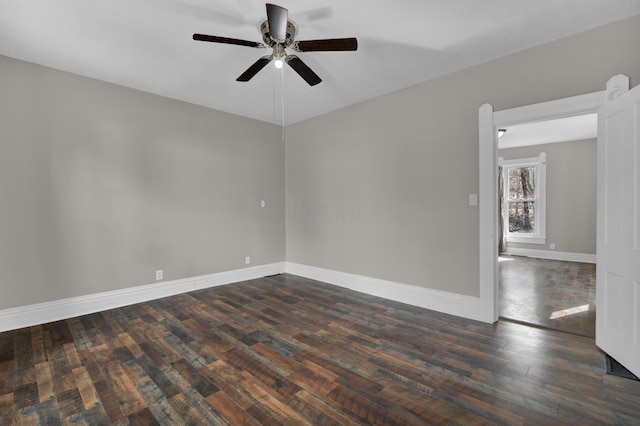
(287, 350)
(549, 293)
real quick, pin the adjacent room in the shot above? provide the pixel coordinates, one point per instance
(218, 212)
(548, 245)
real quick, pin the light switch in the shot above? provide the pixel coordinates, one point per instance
(473, 199)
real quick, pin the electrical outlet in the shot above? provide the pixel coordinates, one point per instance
(552, 246)
(473, 199)
(263, 203)
(159, 274)
(247, 260)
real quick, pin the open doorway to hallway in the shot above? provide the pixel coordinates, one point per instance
(548, 293)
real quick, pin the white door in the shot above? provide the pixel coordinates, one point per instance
(618, 246)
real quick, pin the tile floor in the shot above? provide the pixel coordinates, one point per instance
(549, 293)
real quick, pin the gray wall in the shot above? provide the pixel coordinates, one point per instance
(101, 185)
(571, 194)
(381, 188)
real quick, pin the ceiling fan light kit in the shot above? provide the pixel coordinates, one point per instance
(278, 33)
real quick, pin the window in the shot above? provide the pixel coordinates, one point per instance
(523, 207)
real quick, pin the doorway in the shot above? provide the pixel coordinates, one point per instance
(618, 167)
(546, 267)
(489, 123)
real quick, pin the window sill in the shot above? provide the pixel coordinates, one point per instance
(525, 240)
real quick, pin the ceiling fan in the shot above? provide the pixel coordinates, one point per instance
(278, 33)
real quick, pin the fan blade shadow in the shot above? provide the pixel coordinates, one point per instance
(213, 12)
(313, 15)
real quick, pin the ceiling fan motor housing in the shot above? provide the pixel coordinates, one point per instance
(291, 32)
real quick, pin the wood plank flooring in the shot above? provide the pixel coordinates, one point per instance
(286, 350)
(549, 293)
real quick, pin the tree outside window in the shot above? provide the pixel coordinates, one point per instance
(522, 200)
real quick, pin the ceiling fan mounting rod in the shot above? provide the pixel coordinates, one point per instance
(278, 51)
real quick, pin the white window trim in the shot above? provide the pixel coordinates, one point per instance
(540, 237)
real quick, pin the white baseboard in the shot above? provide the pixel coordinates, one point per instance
(552, 255)
(40, 313)
(441, 301)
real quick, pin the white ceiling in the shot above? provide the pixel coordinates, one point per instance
(551, 131)
(147, 44)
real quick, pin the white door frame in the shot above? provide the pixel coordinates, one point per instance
(489, 123)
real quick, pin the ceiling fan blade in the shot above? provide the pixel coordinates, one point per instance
(333, 44)
(226, 40)
(253, 69)
(303, 70)
(277, 18)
